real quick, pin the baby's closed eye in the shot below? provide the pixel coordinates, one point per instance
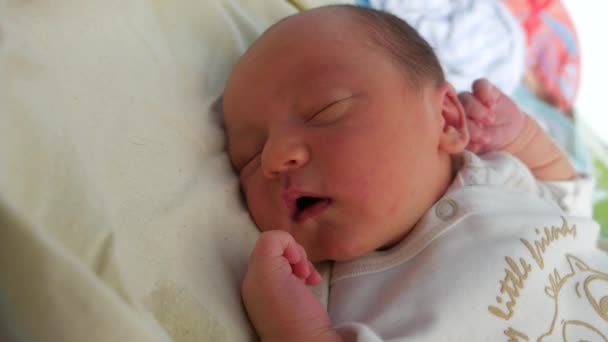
(330, 113)
(249, 164)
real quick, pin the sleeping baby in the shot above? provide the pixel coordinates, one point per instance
(447, 216)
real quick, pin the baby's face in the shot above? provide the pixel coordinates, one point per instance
(331, 143)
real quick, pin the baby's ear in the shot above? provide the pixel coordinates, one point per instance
(455, 134)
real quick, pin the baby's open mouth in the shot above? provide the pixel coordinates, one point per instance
(307, 207)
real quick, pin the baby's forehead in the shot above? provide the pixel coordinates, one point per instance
(331, 23)
(315, 39)
(320, 51)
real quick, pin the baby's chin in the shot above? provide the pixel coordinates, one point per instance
(336, 252)
(346, 248)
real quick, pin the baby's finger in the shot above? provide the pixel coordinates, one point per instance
(474, 109)
(272, 244)
(477, 133)
(486, 92)
(314, 278)
(301, 268)
(292, 253)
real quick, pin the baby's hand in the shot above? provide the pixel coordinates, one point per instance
(274, 290)
(493, 119)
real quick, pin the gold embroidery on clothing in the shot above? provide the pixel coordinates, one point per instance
(510, 286)
(580, 273)
(516, 336)
(583, 325)
(538, 247)
(580, 309)
(601, 306)
(515, 274)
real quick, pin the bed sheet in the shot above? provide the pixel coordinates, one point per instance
(120, 218)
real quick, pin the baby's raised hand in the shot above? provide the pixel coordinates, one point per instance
(493, 119)
(274, 290)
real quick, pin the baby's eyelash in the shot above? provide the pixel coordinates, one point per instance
(310, 117)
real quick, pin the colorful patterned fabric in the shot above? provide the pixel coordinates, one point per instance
(472, 38)
(553, 55)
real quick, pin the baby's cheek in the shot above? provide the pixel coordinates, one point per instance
(358, 183)
(361, 190)
(258, 208)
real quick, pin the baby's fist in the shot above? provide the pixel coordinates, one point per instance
(275, 291)
(493, 119)
(277, 256)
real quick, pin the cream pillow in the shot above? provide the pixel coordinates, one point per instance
(120, 217)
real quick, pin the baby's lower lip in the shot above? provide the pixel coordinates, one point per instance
(312, 211)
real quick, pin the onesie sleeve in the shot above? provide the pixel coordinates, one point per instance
(575, 196)
(502, 169)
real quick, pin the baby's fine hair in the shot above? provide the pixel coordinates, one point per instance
(393, 36)
(401, 41)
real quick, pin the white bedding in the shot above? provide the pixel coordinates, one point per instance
(120, 217)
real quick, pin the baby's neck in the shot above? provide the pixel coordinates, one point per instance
(456, 163)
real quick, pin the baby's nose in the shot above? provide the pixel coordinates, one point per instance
(282, 156)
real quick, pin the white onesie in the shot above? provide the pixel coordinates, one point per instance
(500, 257)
